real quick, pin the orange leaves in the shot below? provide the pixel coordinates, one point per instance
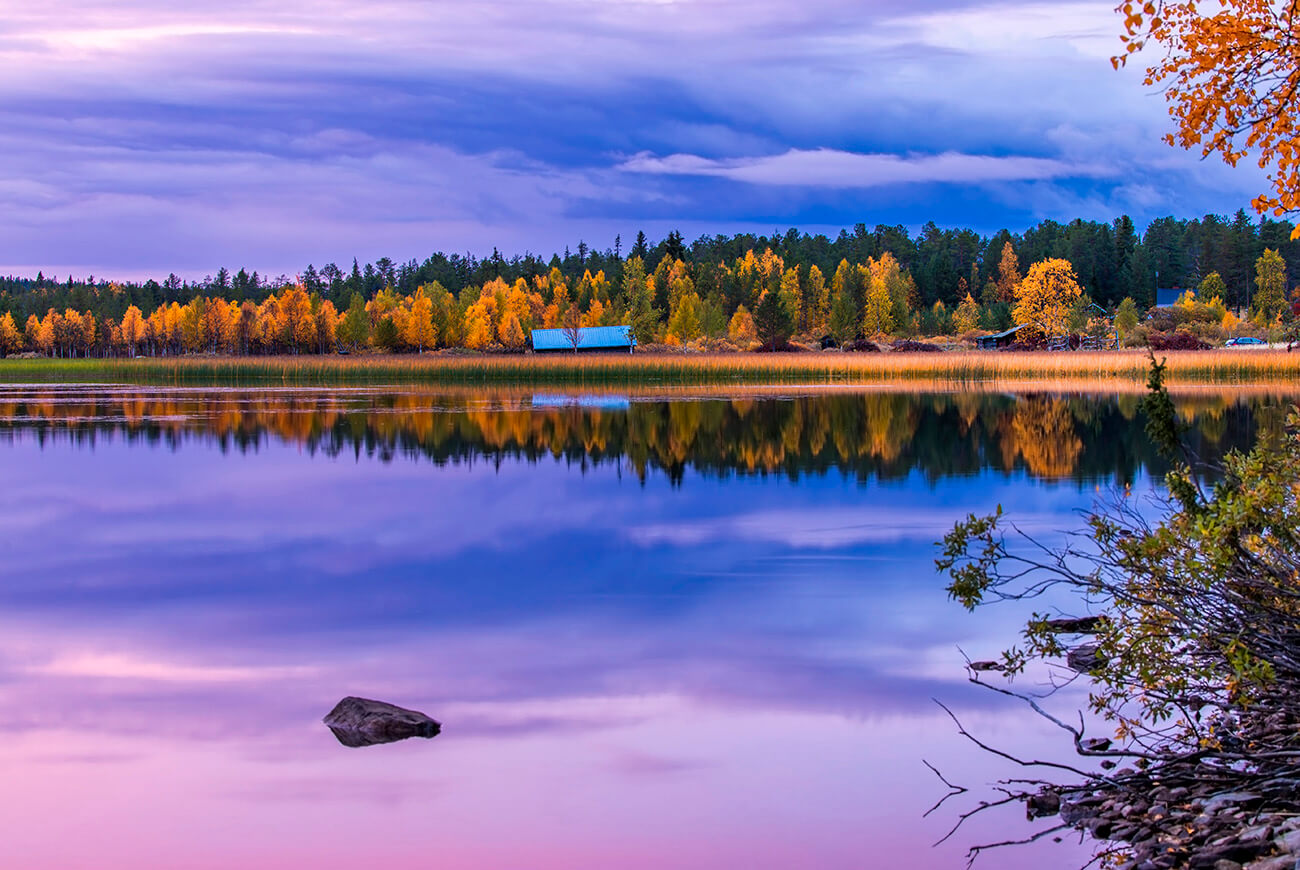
(1231, 80)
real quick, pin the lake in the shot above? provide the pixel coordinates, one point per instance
(674, 629)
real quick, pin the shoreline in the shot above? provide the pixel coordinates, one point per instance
(1106, 369)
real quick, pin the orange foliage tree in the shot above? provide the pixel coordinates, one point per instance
(1231, 74)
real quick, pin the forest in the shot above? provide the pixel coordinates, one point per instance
(745, 289)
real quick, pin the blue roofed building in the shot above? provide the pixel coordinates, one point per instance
(590, 338)
(1167, 296)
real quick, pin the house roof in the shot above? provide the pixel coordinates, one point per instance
(1006, 334)
(1166, 296)
(589, 338)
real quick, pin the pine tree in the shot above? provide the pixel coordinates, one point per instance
(773, 321)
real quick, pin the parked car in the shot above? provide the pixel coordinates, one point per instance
(1244, 341)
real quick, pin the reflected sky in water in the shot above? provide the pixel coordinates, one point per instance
(661, 659)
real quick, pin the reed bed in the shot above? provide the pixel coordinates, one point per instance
(953, 368)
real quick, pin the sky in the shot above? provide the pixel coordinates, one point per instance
(140, 137)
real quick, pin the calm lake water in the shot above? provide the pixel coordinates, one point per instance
(691, 630)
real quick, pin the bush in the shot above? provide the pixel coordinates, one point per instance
(1180, 340)
(861, 345)
(904, 345)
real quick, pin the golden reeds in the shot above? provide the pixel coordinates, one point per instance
(1225, 366)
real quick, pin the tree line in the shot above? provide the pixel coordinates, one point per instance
(748, 289)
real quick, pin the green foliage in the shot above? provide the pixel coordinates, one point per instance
(386, 337)
(713, 320)
(1200, 608)
(354, 329)
(1212, 285)
(773, 321)
(642, 314)
(685, 322)
(1270, 284)
(844, 317)
(1126, 316)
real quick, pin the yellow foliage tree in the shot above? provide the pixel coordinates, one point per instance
(817, 301)
(594, 313)
(132, 329)
(32, 332)
(419, 331)
(1008, 273)
(512, 332)
(741, 329)
(967, 315)
(877, 306)
(1045, 296)
(478, 327)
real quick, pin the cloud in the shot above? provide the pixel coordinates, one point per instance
(142, 137)
(825, 167)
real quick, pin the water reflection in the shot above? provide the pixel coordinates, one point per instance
(882, 434)
(685, 644)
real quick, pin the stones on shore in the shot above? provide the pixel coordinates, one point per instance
(1181, 827)
(362, 722)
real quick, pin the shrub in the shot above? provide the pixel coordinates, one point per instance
(904, 345)
(1180, 340)
(861, 345)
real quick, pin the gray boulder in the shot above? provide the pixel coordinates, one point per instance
(362, 722)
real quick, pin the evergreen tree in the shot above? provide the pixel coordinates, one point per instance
(773, 321)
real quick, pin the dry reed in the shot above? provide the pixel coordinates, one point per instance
(955, 368)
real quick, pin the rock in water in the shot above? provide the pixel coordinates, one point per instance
(361, 722)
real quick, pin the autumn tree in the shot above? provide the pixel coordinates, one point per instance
(420, 332)
(642, 314)
(791, 295)
(816, 307)
(1008, 274)
(32, 332)
(878, 307)
(1126, 316)
(684, 326)
(1212, 285)
(571, 326)
(967, 315)
(1046, 295)
(511, 332)
(354, 328)
(1231, 76)
(132, 329)
(11, 340)
(1270, 284)
(326, 317)
(741, 330)
(594, 314)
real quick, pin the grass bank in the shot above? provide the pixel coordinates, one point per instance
(1196, 367)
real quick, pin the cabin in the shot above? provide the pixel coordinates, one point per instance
(999, 339)
(599, 339)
